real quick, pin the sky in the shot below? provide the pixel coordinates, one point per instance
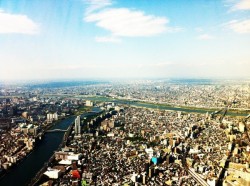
(86, 39)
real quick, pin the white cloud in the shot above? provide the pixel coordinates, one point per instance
(129, 23)
(124, 22)
(15, 23)
(205, 37)
(94, 5)
(242, 5)
(108, 39)
(241, 27)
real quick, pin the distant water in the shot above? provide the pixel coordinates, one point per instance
(155, 106)
(63, 84)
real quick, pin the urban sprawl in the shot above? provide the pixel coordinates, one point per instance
(132, 139)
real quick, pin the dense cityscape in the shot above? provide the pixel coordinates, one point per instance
(155, 132)
(124, 93)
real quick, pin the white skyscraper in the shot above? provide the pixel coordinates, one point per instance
(77, 125)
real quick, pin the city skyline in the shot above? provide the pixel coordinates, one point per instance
(84, 39)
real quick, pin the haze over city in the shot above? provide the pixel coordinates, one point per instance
(121, 39)
(125, 92)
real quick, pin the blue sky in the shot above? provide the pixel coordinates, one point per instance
(83, 39)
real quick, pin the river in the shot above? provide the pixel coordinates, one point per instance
(27, 169)
(158, 106)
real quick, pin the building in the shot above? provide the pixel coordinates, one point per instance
(108, 123)
(52, 117)
(78, 125)
(89, 103)
(29, 129)
(25, 114)
(241, 127)
(53, 173)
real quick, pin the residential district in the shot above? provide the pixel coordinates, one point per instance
(129, 145)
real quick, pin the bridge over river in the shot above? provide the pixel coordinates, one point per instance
(56, 130)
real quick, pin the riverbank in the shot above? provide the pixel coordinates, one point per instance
(37, 139)
(28, 168)
(87, 117)
(203, 109)
(39, 175)
(3, 174)
(187, 108)
(163, 106)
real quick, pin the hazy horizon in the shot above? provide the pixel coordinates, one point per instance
(110, 39)
(124, 80)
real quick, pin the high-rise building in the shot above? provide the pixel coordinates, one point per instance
(77, 125)
(89, 103)
(51, 117)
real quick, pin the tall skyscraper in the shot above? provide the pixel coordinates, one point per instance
(77, 125)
